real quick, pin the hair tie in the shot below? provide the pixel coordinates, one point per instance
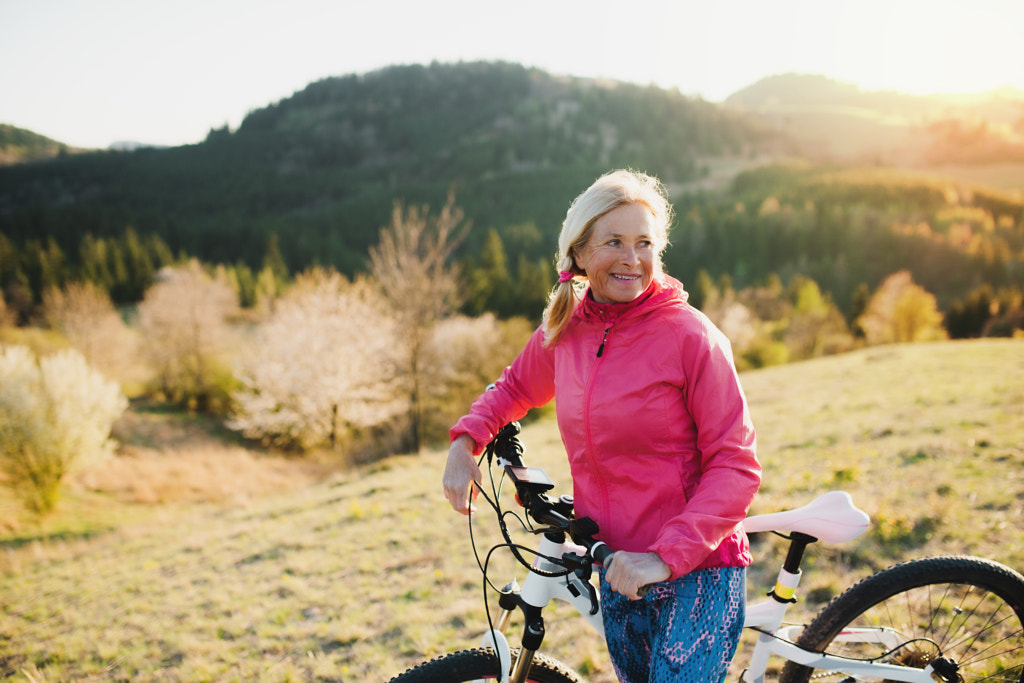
(564, 276)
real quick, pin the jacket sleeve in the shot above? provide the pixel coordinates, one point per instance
(529, 382)
(730, 471)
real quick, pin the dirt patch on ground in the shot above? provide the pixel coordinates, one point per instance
(167, 456)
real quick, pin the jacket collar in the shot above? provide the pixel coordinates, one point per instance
(664, 290)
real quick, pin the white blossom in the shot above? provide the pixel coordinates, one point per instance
(324, 362)
(55, 417)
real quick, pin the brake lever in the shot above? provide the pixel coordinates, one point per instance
(583, 569)
(595, 604)
(584, 572)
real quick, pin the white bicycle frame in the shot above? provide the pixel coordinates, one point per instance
(538, 590)
(831, 518)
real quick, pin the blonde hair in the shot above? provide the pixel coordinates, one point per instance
(608, 192)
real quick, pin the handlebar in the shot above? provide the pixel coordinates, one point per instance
(532, 486)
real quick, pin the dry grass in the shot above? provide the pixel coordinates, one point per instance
(166, 459)
(357, 575)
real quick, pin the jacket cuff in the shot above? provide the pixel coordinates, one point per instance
(677, 561)
(478, 432)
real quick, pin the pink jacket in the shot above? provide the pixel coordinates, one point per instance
(660, 442)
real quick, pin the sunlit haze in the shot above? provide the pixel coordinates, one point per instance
(92, 72)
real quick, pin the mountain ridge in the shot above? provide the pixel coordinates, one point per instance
(1000, 105)
(832, 120)
(18, 145)
(325, 164)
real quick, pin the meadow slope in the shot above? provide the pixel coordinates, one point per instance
(357, 577)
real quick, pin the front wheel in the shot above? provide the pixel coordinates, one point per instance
(480, 664)
(966, 610)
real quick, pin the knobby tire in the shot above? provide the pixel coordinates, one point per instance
(965, 608)
(473, 665)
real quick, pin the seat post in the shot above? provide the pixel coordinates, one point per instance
(789, 577)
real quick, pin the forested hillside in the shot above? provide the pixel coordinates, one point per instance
(347, 269)
(850, 228)
(310, 180)
(321, 169)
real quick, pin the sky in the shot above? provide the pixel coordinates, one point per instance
(89, 73)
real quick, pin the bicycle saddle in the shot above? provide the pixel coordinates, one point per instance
(831, 517)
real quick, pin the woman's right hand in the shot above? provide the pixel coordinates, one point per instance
(460, 473)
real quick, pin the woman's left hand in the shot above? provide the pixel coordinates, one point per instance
(628, 572)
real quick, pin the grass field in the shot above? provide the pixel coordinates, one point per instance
(201, 561)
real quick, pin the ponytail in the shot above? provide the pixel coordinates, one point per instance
(562, 301)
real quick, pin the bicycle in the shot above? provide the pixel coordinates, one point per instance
(948, 618)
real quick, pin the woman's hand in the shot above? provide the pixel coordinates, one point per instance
(627, 572)
(460, 473)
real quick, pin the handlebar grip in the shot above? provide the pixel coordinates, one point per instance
(605, 555)
(602, 553)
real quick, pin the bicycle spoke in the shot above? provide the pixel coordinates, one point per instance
(965, 611)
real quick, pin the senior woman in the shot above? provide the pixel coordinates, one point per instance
(660, 442)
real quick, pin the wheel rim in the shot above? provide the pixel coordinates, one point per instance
(972, 627)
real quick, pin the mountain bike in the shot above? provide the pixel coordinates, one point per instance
(949, 618)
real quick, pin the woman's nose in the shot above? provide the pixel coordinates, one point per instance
(629, 256)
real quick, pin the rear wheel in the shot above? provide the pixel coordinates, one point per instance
(966, 610)
(475, 665)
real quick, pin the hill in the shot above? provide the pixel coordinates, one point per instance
(322, 167)
(360, 575)
(850, 227)
(18, 145)
(831, 120)
(311, 179)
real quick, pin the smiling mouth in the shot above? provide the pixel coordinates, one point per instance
(626, 278)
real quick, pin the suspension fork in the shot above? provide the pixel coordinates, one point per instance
(533, 636)
(536, 593)
(533, 630)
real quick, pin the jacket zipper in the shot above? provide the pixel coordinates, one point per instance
(600, 349)
(602, 497)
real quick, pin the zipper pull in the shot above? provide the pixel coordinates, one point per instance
(600, 349)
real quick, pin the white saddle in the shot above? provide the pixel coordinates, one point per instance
(831, 517)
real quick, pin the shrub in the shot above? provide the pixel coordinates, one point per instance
(183, 320)
(55, 417)
(84, 313)
(901, 311)
(323, 366)
(463, 356)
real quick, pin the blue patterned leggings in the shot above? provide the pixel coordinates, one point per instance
(683, 630)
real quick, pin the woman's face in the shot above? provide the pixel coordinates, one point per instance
(621, 256)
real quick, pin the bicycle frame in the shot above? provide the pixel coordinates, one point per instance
(538, 591)
(831, 518)
(767, 617)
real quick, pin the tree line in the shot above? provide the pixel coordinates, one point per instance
(849, 230)
(371, 365)
(845, 230)
(124, 267)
